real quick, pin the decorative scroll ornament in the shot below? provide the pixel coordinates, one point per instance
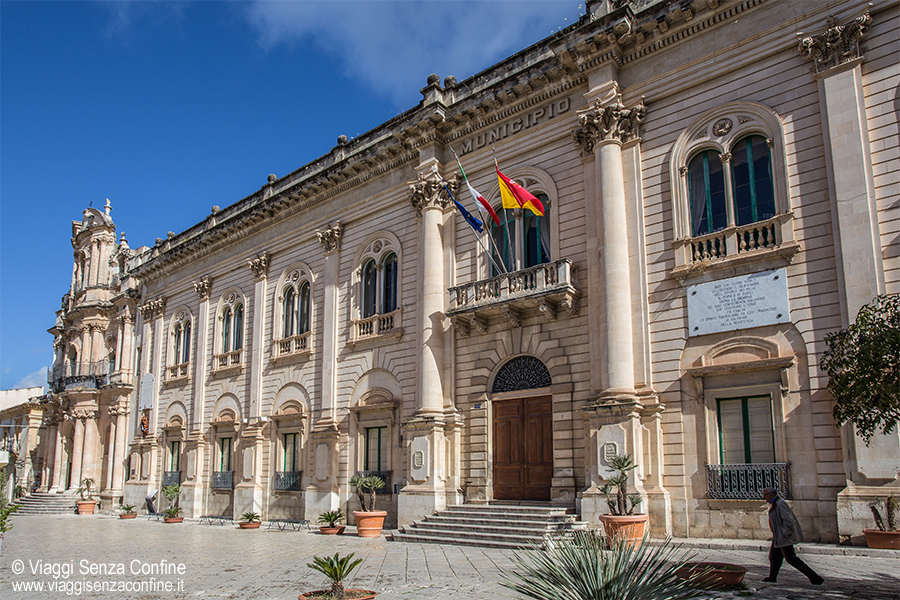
(838, 45)
(83, 413)
(428, 191)
(521, 373)
(331, 236)
(153, 308)
(259, 265)
(613, 122)
(202, 288)
(118, 410)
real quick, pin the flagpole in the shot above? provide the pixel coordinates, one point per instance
(490, 237)
(505, 219)
(470, 225)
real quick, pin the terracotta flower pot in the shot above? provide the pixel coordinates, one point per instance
(349, 594)
(86, 507)
(713, 574)
(173, 519)
(127, 515)
(250, 524)
(336, 530)
(369, 524)
(889, 540)
(629, 527)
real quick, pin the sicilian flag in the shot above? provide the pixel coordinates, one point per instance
(515, 196)
(483, 205)
(475, 223)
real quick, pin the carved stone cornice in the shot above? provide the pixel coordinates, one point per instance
(202, 288)
(428, 191)
(839, 44)
(330, 237)
(153, 308)
(84, 414)
(611, 122)
(116, 411)
(260, 265)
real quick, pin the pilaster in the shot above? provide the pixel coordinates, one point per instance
(260, 268)
(330, 238)
(202, 288)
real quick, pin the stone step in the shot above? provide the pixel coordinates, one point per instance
(406, 536)
(44, 503)
(486, 533)
(529, 524)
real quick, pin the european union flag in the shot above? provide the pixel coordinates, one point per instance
(475, 223)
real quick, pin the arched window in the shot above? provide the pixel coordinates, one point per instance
(177, 347)
(226, 329)
(370, 286)
(522, 239)
(304, 307)
(707, 192)
(186, 344)
(239, 327)
(751, 169)
(73, 362)
(389, 299)
(289, 312)
(232, 328)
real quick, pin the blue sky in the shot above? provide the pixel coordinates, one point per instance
(169, 108)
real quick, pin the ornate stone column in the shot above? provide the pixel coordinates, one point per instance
(58, 465)
(260, 268)
(434, 430)
(77, 449)
(323, 494)
(51, 421)
(91, 461)
(119, 434)
(202, 288)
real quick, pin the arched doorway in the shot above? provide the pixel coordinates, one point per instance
(523, 431)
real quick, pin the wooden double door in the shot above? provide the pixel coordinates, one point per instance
(523, 448)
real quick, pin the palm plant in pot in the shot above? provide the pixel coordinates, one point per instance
(127, 511)
(369, 522)
(330, 522)
(884, 536)
(336, 569)
(173, 515)
(251, 520)
(621, 520)
(172, 492)
(86, 491)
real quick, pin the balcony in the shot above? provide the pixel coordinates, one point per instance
(772, 238)
(178, 373)
(222, 480)
(228, 361)
(386, 476)
(171, 478)
(747, 481)
(84, 375)
(377, 326)
(295, 345)
(288, 481)
(546, 288)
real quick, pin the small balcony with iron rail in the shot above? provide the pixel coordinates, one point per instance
(82, 375)
(288, 481)
(222, 480)
(170, 478)
(544, 289)
(747, 481)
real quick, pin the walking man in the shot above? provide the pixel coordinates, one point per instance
(785, 533)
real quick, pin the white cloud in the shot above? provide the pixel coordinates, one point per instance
(394, 46)
(36, 379)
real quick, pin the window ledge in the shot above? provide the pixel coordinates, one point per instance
(226, 370)
(375, 339)
(761, 259)
(290, 357)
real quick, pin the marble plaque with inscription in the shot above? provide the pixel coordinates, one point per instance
(738, 303)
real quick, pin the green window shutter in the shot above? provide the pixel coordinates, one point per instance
(376, 448)
(746, 430)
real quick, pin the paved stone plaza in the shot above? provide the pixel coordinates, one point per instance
(225, 562)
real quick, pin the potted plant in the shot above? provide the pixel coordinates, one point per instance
(621, 520)
(172, 515)
(251, 520)
(369, 522)
(336, 569)
(86, 491)
(128, 512)
(330, 522)
(884, 537)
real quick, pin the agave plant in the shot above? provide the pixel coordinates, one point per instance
(336, 569)
(600, 568)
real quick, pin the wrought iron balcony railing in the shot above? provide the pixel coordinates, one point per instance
(171, 478)
(79, 375)
(747, 481)
(222, 480)
(547, 288)
(386, 476)
(288, 481)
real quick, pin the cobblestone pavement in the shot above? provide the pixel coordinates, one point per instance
(225, 562)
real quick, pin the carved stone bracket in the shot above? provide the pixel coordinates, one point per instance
(548, 309)
(462, 326)
(513, 316)
(612, 122)
(428, 191)
(479, 323)
(570, 304)
(84, 414)
(153, 308)
(838, 45)
(259, 265)
(202, 288)
(330, 237)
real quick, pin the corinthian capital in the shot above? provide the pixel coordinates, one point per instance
(330, 237)
(259, 265)
(428, 191)
(610, 122)
(153, 308)
(839, 43)
(202, 287)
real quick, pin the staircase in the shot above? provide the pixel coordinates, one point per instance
(44, 503)
(491, 525)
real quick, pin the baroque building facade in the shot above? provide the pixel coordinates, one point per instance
(719, 180)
